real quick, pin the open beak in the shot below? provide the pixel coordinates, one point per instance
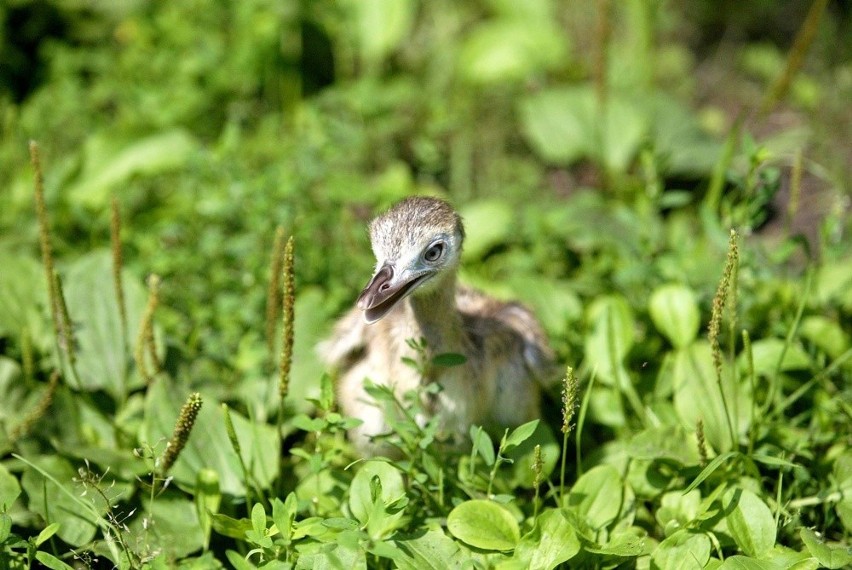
(384, 292)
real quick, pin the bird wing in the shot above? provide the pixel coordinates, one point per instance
(519, 320)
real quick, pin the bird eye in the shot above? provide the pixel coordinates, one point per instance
(434, 252)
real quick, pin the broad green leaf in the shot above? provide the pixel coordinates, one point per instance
(208, 446)
(360, 499)
(522, 456)
(169, 524)
(697, 396)
(842, 471)
(433, 550)
(238, 562)
(510, 49)
(664, 442)
(566, 124)
(596, 496)
(9, 488)
(624, 543)
(625, 126)
(824, 333)
(46, 533)
(484, 524)
(333, 556)
(607, 406)
(23, 299)
(381, 26)
(749, 521)
(740, 562)
(107, 168)
(680, 143)
(230, 527)
(488, 223)
(323, 489)
(767, 352)
(555, 303)
(102, 357)
(552, 541)
(784, 558)
(258, 520)
(677, 509)
(520, 434)
(482, 444)
(5, 526)
(51, 561)
(828, 556)
(341, 523)
(833, 280)
(844, 512)
(559, 123)
(675, 314)
(684, 550)
(611, 337)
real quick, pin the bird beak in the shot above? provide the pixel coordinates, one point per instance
(384, 292)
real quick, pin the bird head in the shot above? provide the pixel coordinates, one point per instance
(417, 244)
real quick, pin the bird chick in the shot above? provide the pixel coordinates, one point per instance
(413, 295)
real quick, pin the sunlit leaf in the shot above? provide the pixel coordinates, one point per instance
(381, 26)
(767, 352)
(611, 337)
(559, 123)
(596, 496)
(520, 434)
(828, 556)
(361, 501)
(749, 521)
(552, 541)
(697, 396)
(432, 550)
(23, 299)
(208, 446)
(675, 314)
(102, 356)
(9, 488)
(170, 524)
(510, 49)
(488, 223)
(826, 334)
(683, 550)
(484, 524)
(107, 167)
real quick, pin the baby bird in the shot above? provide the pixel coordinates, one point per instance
(413, 295)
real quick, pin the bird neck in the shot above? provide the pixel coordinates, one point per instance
(438, 319)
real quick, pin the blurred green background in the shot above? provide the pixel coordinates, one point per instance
(577, 138)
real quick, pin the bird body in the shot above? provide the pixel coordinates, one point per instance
(413, 295)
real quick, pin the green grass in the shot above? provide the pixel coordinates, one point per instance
(161, 403)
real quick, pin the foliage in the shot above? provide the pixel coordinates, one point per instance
(168, 427)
